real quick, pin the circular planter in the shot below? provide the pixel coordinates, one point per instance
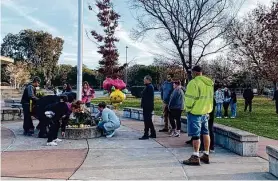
(82, 133)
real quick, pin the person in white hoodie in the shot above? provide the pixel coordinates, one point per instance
(219, 99)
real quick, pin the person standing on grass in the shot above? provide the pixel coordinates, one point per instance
(66, 88)
(198, 104)
(88, 94)
(176, 106)
(227, 100)
(233, 105)
(147, 103)
(28, 100)
(219, 99)
(166, 90)
(248, 96)
(275, 98)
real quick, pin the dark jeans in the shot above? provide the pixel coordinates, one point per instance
(226, 107)
(27, 122)
(166, 117)
(175, 118)
(44, 122)
(53, 131)
(211, 132)
(148, 123)
(248, 103)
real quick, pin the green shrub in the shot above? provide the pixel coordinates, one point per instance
(136, 91)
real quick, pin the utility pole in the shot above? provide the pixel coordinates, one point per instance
(80, 50)
(126, 64)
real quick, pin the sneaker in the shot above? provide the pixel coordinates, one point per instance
(51, 143)
(193, 160)
(164, 130)
(152, 136)
(232, 117)
(110, 135)
(27, 133)
(205, 158)
(172, 133)
(57, 140)
(144, 138)
(226, 117)
(212, 151)
(177, 133)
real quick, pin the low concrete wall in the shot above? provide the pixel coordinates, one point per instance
(82, 133)
(272, 152)
(133, 113)
(236, 140)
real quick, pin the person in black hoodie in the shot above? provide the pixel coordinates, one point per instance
(275, 98)
(147, 103)
(28, 99)
(248, 95)
(233, 105)
(54, 113)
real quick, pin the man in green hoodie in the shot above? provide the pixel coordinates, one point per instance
(198, 104)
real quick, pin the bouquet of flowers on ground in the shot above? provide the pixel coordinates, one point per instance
(81, 116)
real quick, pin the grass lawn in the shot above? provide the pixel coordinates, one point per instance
(263, 121)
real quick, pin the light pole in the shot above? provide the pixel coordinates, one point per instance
(80, 49)
(126, 64)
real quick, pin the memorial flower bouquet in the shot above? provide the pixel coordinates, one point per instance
(80, 117)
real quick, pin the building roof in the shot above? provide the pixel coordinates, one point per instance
(6, 60)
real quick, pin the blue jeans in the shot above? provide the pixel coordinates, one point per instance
(233, 109)
(197, 125)
(101, 127)
(219, 109)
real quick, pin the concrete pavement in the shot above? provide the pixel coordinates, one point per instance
(121, 157)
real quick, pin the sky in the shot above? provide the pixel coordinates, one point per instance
(60, 18)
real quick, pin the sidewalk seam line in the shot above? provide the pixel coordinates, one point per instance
(81, 162)
(13, 141)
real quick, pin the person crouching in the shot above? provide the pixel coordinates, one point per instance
(56, 112)
(109, 121)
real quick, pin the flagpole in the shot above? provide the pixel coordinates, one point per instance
(80, 50)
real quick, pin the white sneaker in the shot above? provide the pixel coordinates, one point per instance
(110, 135)
(226, 117)
(51, 144)
(177, 134)
(232, 117)
(172, 133)
(57, 140)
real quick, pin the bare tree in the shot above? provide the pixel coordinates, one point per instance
(194, 25)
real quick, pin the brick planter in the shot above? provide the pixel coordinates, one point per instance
(82, 133)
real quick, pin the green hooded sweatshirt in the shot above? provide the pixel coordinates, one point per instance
(199, 96)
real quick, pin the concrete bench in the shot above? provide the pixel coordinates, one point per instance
(272, 152)
(133, 113)
(6, 112)
(241, 142)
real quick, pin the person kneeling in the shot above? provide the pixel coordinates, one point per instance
(56, 112)
(109, 121)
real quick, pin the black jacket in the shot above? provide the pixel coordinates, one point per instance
(147, 101)
(275, 97)
(233, 97)
(60, 109)
(29, 93)
(248, 94)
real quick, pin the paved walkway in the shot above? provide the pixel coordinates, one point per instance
(121, 157)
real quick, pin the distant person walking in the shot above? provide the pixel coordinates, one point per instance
(166, 90)
(88, 94)
(227, 100)
(248, 96)
(198, 104)
(233, 105)
(219, 99)
(275, 98)
(176, 106)
(147, 103)
(28, 100)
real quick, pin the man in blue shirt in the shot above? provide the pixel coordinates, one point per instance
(27, 101)
(166, 91)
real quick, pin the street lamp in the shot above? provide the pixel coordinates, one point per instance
(80, 50)
(126, 64)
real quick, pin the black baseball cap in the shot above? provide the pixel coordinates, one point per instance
(197, 68)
